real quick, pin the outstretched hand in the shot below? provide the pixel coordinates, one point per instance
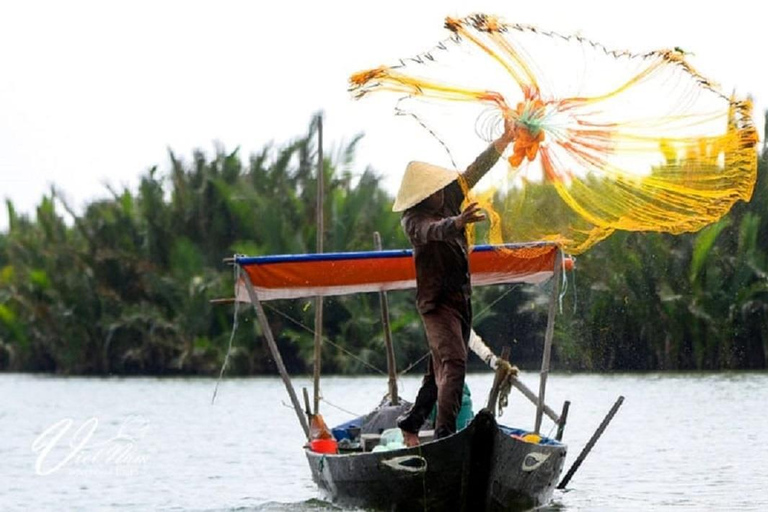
(469, 215)
(510, 129)
(509, 135)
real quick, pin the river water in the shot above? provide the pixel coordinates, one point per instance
(679, 442)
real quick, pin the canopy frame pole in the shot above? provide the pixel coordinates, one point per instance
(549, 333)
(319, 239)
(394, 399)
(262, 317)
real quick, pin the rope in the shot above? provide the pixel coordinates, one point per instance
(575, 289)
(552, 428)
(414, 364)
(504, 390)
(564, 288)
(401, 112)
(341, 408)
(325, 338)
(489, 306)
(502, 386)
(229, 346)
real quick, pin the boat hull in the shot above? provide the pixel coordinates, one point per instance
(523, 475)
(478, 468)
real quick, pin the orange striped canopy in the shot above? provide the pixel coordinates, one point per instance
(328, 274)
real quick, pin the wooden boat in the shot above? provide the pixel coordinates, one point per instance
(485, 466)
(481, 467)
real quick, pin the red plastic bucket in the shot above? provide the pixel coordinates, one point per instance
(324, 446)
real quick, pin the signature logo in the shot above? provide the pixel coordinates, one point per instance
(63, 444)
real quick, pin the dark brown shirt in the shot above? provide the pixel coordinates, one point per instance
(440, 249)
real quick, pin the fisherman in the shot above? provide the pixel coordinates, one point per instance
(430, 198)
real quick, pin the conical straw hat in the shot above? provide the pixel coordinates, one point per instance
(420, 181)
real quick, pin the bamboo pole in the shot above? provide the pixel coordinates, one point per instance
(391, 363)
(563, 419)
(273, 348)
(548, 339)
(307, 408)
(319, 239)
(591, 443)
(530, 395)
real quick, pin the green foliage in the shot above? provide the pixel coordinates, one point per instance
(694, 301)
(125, 287)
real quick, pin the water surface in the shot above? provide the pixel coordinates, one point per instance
(679, 442)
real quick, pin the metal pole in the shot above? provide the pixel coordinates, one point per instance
(591, 443)
(319, 238)
(273, 348)
(391, 363)
(548, 339)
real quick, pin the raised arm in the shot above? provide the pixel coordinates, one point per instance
(490, 156)
(423, 228)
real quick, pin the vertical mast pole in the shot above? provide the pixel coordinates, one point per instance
(320, 230)
(548, 338)
(391, 364)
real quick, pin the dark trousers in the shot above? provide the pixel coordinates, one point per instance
(447, 327)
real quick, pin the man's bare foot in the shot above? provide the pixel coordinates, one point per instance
(410, 439)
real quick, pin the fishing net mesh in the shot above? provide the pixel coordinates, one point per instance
(606, 140)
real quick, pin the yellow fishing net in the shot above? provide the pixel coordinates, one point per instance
(606, 140)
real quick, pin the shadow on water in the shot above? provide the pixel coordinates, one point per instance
(273, 506)
(303, 506)
(319, 505)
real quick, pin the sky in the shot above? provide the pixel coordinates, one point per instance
(94, 93)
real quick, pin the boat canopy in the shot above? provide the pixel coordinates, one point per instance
(343, 273)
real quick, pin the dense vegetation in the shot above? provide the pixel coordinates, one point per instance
(124, 287)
